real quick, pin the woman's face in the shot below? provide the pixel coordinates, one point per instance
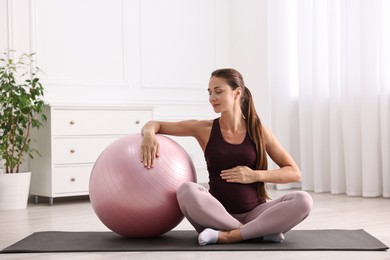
(221, 96)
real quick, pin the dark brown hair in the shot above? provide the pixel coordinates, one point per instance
(253, 124)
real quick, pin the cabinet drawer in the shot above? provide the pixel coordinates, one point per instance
(79, 150)
(71, 179)
(98, 122)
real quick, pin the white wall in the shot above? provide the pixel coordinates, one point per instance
(158, 53)
(248, 32)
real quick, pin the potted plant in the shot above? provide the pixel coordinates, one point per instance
(21, 110)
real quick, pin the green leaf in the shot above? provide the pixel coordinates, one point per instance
(21, 107)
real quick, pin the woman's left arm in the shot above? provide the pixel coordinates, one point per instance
(288, 170)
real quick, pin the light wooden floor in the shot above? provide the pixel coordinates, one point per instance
(329, 212)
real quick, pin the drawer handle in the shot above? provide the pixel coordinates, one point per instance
(73, 179)
(137, 122)
(72, 122)
(72, 150)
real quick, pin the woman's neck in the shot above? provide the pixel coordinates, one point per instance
(232, 123)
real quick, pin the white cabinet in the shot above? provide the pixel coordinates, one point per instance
(72, 139)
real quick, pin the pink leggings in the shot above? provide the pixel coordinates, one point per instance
(276, 216)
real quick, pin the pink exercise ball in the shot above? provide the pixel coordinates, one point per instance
(134, 201)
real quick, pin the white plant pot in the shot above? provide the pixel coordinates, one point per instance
(14, 190)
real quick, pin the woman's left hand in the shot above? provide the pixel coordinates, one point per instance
(239, 174)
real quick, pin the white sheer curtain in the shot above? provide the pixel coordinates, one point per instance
(329, 79)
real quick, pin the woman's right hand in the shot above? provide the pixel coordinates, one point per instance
(150, 150)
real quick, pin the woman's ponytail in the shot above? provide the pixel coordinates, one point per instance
(255, 131)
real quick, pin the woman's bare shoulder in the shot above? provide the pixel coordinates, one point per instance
(201, 126)
(190, 127)
(204, 123)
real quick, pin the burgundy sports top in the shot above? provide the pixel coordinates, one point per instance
(221, 155)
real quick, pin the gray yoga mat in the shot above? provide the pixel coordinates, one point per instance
(181, 240)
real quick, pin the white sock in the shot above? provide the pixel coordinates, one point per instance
(276, 238)
(208, 236)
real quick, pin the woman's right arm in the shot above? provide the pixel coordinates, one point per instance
(150, 147)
